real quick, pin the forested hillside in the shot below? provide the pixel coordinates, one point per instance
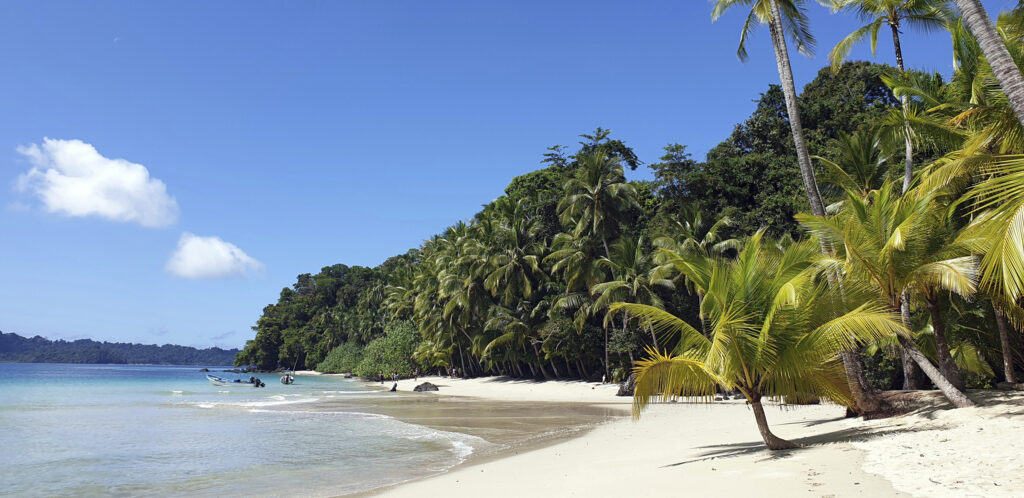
(524, 287)
(15, 348)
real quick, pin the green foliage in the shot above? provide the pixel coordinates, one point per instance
(391, 353)
(342, 359)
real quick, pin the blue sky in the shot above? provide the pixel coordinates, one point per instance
(240, 144)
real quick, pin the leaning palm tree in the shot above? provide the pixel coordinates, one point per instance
(776, 332)
(884, 245)
(788, 17)
(782, 17)
(925, 15)
(1005, 69)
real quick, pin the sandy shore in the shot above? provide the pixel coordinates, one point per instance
(715, 450)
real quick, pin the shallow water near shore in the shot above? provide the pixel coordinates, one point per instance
(165, 430)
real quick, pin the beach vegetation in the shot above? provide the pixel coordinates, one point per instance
(774, 329)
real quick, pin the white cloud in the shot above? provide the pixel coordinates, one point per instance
(71, 178)
(209, 257)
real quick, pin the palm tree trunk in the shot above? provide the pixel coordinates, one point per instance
(946, 364)
(654, 338)
(771, 440)
(864, 396)
(789, 91)
(908, 173)
(462, 361)
(954, 395)
(607, 375)
(568, 369)
(998, 57)
(804, 162)
(540, 362)
(910, 373)
(1004, 341)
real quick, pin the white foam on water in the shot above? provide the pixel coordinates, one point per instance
(253, 404)
(360, 415)
(351, 393)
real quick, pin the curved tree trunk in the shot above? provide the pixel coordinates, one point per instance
(908, 170)
(998, 57)
(1004, 341)
(946, 364)
(771, 440)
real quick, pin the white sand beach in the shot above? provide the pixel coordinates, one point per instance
(715, 450)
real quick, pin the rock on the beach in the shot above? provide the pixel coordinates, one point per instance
(426, 386)
(627, 386)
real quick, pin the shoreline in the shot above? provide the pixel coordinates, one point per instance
(714, 449)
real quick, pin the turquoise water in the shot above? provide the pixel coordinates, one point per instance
(132, 430)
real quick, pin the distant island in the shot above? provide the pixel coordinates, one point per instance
(17, 349)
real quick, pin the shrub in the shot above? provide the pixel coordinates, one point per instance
(344, 358)
(391, 353)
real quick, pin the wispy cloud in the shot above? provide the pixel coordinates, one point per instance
(209, 257)
(71, 178)
(225, 335)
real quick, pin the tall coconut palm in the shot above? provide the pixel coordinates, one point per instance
(776, 332)
(787, 17)
(782, 17)
(884, 241)
(599, 199)
(925, 15)
(1005, 69)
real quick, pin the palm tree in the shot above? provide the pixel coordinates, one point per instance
(519, 326)
(884, 240)
(691, 235)
(926, 15)
(861, 166)
(690, 232)
(1005, 69)
(776, 332)
(630, 267)
(516, 254)
(598, 200)
(782, 17)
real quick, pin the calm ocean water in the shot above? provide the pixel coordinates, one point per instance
(132, 430)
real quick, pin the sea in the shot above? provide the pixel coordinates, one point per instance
(142, 430)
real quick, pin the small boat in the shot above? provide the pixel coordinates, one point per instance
(218, 381)
(287, 379)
